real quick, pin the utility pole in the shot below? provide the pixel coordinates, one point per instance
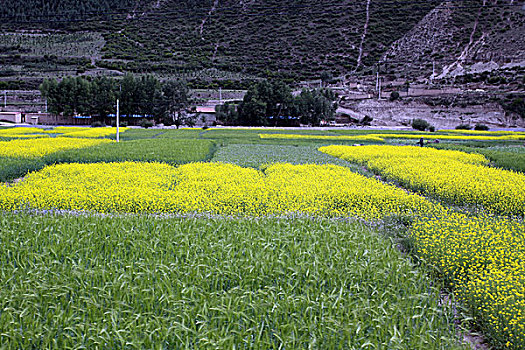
(5, 99)
(220, 95)
(118, 120)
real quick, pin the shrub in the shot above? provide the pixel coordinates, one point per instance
(394, 95)
(420, 124)
(367, 120)
(517, 106)
(463, 127)
(482, 127)
(146, 123)
(431, 128)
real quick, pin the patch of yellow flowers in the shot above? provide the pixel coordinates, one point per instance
(19, 132)
(25, 136)
(42, 146)
(215, 188)
(92, 132)
(483, 259)
(66, 131)
(453, 176)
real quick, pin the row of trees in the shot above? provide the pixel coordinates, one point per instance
(266, 102)
(272, 103)
(146, 96)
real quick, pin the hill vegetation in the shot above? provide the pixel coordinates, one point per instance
(47, 12)
(293, 40)
(211, 41)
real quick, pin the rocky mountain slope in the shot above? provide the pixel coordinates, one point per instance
(454, 40)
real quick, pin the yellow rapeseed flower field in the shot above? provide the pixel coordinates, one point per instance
(453, 176)
(216, 188)
(92, 132)
(482, 258)
(42, 146)
(20, 132)
(25, 136)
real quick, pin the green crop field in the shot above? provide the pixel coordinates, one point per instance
(145, 282)
(255, 156)
(171, 151)
(139, 134)
(320, 244)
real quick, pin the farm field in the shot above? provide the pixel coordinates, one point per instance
(261, 238)
(146, 282)
(255, 156)
(455, 177)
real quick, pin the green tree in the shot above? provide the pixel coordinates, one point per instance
(315, 106)
(227, 114)
(128, 95)
(82, 96)
(326, 78)
(138, 95)
(420, 124)
(49, 90)
(148, 88)
(173, 104)
(68, 97)
(252, 112)
(103, 100)
(263, 100)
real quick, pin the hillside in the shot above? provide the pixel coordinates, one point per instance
(470, 39)
(233, 40)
